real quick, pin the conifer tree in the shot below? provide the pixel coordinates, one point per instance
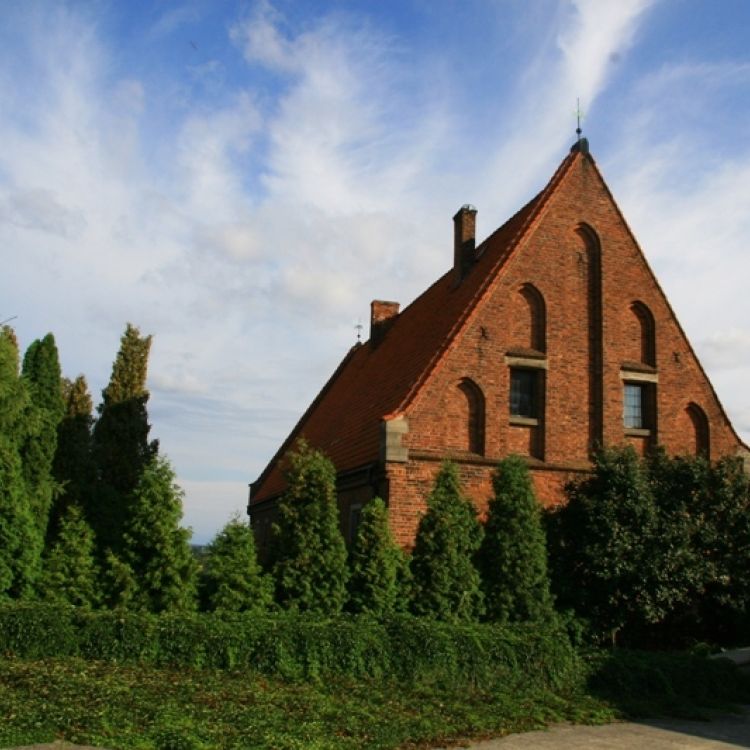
(41, 374)
(310, 567)
(120, 439)
(513, 557)
(120, 588)
(232, 579)
(155, 551)
(70, 574)
(73, 468)
(377, 565)
(20, 541)
(446, 582)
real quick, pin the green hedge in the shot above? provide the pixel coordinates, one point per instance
(411, 649)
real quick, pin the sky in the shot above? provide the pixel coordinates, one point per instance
(240, 180)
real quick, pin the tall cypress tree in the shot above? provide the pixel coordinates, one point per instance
(232, 579)
(446, 582)
(154, 547)
(378, 566)
(121, 446)
(20, 542)
(73, 467)
(513, 557)
(41, 373)
(310, 568)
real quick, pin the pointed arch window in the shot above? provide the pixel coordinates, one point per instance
(647, 330)
(537, 317)
(474, 414)
(701, 430)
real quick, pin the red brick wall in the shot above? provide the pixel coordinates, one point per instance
(581, 403)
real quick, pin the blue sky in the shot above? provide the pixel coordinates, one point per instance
(242, 179)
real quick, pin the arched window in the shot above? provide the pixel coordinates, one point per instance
(474, 416)
(701, 430)
(537, 317)
(647, 333)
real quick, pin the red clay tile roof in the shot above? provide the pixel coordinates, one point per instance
(381, 381)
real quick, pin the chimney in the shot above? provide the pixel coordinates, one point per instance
(464, 240)
(382, 315)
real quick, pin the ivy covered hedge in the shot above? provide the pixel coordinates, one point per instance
(295, 646)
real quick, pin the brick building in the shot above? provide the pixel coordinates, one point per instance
(550, 337)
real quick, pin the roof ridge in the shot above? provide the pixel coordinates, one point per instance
(536, 204)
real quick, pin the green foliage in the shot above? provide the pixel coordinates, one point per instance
(656, 550)
(155, 548)
(120, 585)
(603, 545)
(41, 373)
(121, 447)
(446, 583)
(299, 646)
(142, 707)
(20, 541)
(513, 557)
(652, 683)
(73, 467)
(231, 579)
(378, 567)
(310, 567)
(704, 537)
(70, 574)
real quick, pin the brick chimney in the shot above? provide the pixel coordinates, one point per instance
(464, 240)
(382, 315)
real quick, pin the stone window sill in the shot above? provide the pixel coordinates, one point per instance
(636, 432)
(524, 421)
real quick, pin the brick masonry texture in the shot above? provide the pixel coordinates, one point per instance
(561, 303)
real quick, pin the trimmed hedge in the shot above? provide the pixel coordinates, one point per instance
(298, 647)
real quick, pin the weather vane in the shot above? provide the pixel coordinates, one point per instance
(579, 117)
(359, 328)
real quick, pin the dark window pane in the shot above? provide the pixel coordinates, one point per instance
(523, 393)
(633, 406)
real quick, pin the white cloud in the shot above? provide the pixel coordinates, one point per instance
(250, 230)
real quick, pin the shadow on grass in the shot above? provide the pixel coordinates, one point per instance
(682, 693)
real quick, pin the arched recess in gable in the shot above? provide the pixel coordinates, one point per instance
(593, 277)
(536, 333)
(647, 327)
(701, 430)
(464, 417)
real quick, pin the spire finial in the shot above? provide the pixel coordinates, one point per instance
(359, 328)
(579, 117)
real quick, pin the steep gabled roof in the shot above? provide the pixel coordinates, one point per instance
(375, 382)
